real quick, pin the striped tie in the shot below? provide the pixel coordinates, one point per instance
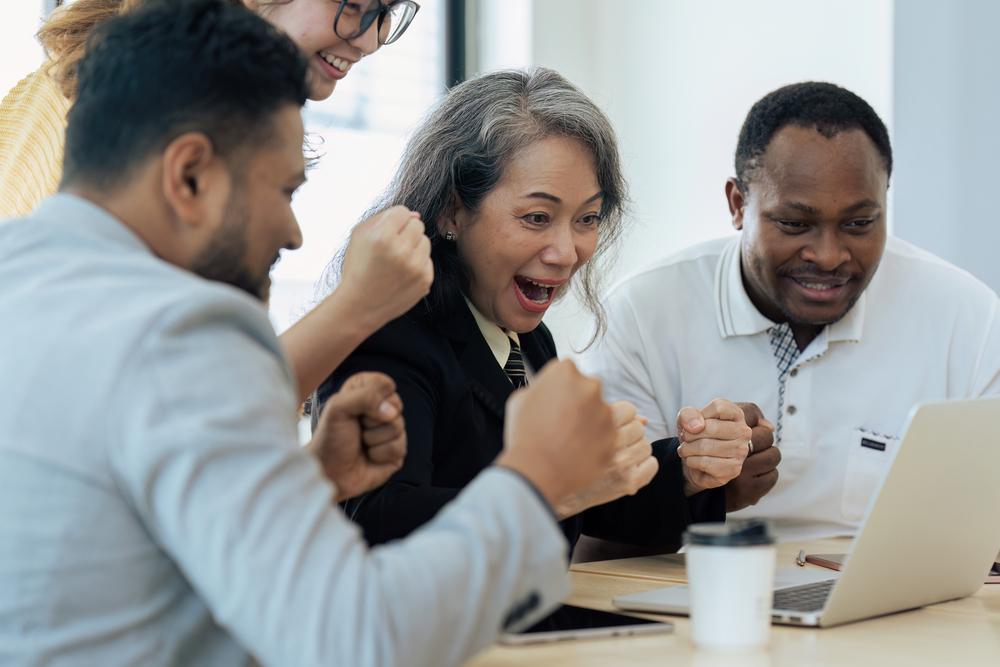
(514, 368)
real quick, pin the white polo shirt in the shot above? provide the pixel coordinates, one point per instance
(684, 331)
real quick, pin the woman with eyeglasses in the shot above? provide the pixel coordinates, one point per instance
(388, 266)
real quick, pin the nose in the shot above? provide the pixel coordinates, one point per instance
(294, 235)
(827, 251)
(561, 250)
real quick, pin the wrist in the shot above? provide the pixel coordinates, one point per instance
(690, 488)
(350, 312)
(544, 484)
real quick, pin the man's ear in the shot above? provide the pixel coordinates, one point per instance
(195, 179)
(736, 199)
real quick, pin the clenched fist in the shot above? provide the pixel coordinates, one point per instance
(632, 467)
(760, 470)
(387, 266)
(713, 444)
(360, 438)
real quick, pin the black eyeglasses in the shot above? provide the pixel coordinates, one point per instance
(393, 19)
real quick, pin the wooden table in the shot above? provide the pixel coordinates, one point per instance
(963, 632)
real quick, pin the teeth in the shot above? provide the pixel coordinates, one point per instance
(546, 290)
(339, 63)
(818, 286)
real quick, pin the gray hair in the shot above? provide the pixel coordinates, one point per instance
(462, 147)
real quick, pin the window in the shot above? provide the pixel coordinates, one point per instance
(20, 51)
(359, 133)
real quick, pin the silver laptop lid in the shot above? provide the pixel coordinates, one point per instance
(932, 531)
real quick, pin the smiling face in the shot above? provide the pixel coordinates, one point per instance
(813, 224)
(531, 233)
(310, 24)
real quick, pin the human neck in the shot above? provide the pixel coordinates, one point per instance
(804, 333)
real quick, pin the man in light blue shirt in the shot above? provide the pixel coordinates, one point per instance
(154, 506)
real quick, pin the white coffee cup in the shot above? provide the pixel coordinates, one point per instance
(730, 569)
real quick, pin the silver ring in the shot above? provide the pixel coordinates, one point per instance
(749, 447)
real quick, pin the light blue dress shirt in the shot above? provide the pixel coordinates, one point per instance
(156, 510)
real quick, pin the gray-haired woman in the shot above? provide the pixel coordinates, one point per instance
(518, 179)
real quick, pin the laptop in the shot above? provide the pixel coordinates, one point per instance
(928, 536)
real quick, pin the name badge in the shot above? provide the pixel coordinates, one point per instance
(872, 443)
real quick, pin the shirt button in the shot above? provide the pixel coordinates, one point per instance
(792, 409)
(795, 371)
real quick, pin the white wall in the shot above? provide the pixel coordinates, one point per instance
(677, 79)
(947, 130)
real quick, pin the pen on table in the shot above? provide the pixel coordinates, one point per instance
(800, 560)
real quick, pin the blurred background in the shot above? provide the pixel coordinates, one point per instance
(676, 77)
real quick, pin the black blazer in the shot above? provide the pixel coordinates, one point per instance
(453, 394)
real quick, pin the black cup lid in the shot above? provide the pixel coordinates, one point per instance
(738, 533)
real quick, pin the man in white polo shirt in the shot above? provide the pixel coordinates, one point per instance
(835, 330)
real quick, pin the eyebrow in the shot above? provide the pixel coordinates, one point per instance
(557, 200)
(864, 203)
(853, 208)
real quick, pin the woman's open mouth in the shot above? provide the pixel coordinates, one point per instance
(535, 295)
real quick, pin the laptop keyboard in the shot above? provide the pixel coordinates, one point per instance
(810, 597)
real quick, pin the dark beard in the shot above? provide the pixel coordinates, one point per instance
(223, 259)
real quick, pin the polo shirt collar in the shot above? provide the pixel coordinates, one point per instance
(736, 314)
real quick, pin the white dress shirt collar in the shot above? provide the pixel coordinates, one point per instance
(496, 338)
(738, 316)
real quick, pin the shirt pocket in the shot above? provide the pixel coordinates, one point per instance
(867, 462)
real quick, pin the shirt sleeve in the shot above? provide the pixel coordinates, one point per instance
(209, 460)
(622, 361)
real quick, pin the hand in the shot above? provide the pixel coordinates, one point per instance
(760, 469)
(559, 433)
(387, 266)
(360, 440)
(632, 467)
(713, 444)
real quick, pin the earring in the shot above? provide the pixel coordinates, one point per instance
(449, 236)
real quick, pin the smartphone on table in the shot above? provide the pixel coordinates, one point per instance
(569, 622)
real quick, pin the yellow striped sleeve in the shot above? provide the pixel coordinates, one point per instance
(32, 132)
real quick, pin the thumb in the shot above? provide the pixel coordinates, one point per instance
(690, 420)
(752, 413)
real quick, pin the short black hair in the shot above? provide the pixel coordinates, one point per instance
(172, 67)
(826, 107)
